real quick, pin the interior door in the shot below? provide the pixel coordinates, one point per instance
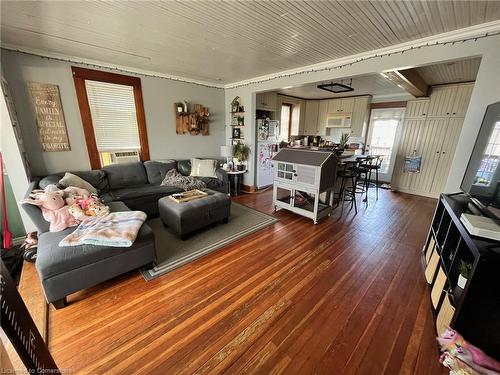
(424, 138)
(448, 147)
(383, 138)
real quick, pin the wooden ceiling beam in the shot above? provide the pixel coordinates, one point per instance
(409, 80)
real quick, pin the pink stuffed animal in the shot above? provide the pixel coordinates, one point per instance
(53, 210)
(451, 341)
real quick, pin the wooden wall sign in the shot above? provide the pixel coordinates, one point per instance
(193, 122)
(49, 115)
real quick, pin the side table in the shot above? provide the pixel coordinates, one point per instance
(235, 178)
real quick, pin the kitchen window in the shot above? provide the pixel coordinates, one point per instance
(113, 118)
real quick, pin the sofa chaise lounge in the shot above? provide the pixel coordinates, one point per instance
(132, 186)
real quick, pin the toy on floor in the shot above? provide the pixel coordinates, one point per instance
(453, 344)
(29, 246)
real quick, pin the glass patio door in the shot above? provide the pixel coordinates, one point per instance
(383, 138)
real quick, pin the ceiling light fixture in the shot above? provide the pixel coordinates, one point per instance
(336, 87)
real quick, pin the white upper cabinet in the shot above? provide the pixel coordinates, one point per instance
(322, 115)
(449, 101)
(360, 115)
(417, 109)
(311, 117)
(266, 101)
(442, 100)
(345, 105)
(462, 98)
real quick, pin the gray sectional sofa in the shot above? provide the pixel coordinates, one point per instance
(133, 186)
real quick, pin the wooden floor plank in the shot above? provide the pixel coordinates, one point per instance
(344, 296)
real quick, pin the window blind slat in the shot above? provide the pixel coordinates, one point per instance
(112, 108)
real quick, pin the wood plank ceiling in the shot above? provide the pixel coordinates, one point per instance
(451, 71)
(224, 42)
(373, 84)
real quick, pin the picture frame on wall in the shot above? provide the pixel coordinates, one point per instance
(236, 133)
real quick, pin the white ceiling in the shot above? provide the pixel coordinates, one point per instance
(373, 84)
(225, 42)
(450, 71)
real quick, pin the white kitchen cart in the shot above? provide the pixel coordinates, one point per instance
(300, 176)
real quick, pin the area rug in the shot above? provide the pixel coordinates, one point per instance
(172, 252)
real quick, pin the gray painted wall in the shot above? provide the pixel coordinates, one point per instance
(159, 95)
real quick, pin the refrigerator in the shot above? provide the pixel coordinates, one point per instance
(267, 146)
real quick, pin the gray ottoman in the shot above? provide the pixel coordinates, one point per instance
(184, 218)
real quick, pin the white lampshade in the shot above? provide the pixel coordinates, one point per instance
(226, 151)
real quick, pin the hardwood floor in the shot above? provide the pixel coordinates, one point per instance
(344, 296)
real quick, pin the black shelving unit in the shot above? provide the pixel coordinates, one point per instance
(474, 311)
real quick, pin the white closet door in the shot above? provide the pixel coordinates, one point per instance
(411, 132)
(462, 98)
(453, 131)
(425, 137)
(442, 101)
(431, 153)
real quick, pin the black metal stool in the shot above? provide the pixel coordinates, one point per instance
(348, 193)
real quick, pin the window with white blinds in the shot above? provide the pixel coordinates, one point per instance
(114, 118)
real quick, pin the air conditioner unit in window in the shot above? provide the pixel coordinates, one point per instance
(123, 157)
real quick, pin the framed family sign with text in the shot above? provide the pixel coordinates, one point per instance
(49, 116)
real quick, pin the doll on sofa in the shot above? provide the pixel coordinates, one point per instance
(53, 209)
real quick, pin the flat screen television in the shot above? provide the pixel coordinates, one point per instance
(482, 177)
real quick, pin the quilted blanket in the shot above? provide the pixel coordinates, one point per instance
(117, 229)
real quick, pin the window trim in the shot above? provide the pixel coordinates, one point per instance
(79, 77)
(290, 109)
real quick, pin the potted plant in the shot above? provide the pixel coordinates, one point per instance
(464, 269)
(344, 138)
(241, 151)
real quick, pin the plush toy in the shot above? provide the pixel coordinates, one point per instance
(97, 208)
(453, 343)
(51, 188)
(76, 211)
(73, 194)
(53, 210)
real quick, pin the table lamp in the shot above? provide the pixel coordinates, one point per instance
(227, 152)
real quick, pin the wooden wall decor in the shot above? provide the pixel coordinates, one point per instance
(49, 116)
(193, 122)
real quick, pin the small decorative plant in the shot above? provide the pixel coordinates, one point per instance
(241, 151)
(464, 268)
(344, 138)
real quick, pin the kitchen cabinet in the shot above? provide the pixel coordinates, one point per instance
(360, 116)
(462, 98)
(417, 109)
(345, 105)
(450, 100)
(322, 115)
(311, 117)
(266, 101)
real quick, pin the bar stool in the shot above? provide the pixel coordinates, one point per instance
(364, 175)
(375, 166)
(347, 174)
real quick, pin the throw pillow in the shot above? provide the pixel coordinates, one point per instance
(70, 179)
(203, 168)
